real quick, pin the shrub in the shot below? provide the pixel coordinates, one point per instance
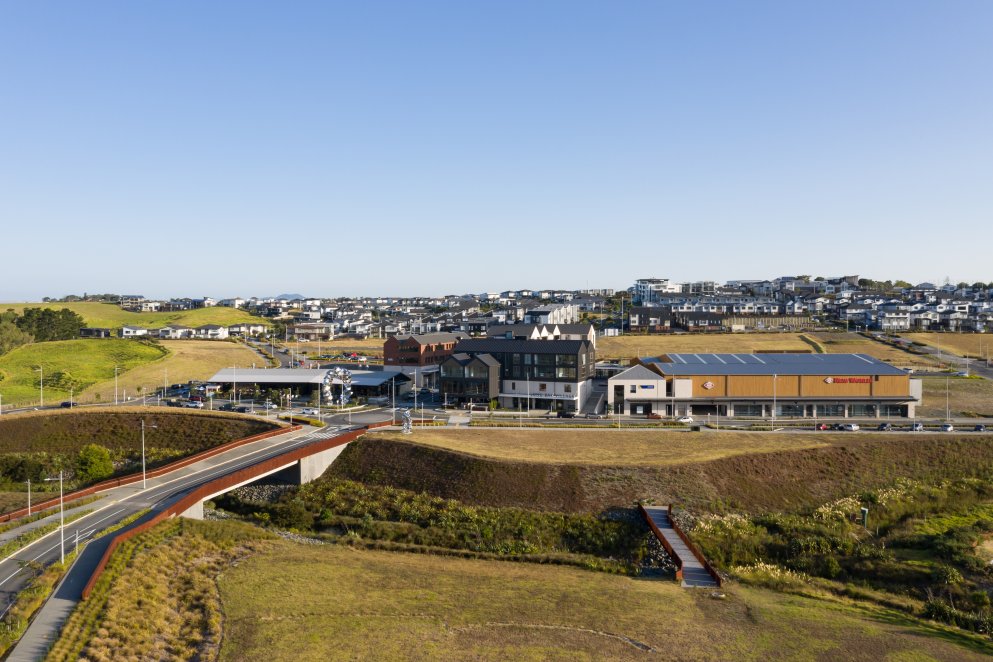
(94, 463)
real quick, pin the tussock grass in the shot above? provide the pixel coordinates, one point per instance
(629, 346)
(159, 598)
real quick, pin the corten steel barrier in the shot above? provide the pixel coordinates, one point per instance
(153, 473)
(665, 543)
(693, 548)
(230, 480)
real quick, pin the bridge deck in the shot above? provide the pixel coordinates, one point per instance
(694, 574)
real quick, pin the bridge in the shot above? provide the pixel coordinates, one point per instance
(178, 489)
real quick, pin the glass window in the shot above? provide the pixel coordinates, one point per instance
(568, 388)
(633, 389)
(542, 387)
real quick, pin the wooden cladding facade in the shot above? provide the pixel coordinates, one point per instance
(801, 386)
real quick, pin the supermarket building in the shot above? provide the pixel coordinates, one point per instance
(794, 385)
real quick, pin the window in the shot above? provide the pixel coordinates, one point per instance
(568, 388)
(542, 388)
(633, 389)
(513, 386)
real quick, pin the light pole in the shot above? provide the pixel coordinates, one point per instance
(41, 385)
(115, 384)
(946, 399)
(144, 483)
(774, 380)
(62, 521)
(29, 496)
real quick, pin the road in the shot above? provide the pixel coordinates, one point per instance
(117, 504)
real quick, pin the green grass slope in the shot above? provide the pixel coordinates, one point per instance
(67, 364)
(111, 316)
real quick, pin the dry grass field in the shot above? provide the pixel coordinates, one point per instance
(187, 359)
(372, 347)
(975, 345)
(643, 448)
(852, 343)
(964, 395)
(302, 602)
(630, 346)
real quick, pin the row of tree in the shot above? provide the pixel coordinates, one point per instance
(37, 325)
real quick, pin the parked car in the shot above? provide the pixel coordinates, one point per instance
(565, 414)
(196, 398)
(227, 406)
(885, 427)
(917, 427)
(822, 426)
(685, 419)
(173, 403)
(979, 428)
(193, 404)
(68, 404)
(594, 416)
(308, 411)
(947, 427)
(653, 415)
(850, 427)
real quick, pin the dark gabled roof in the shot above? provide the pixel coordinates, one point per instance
(498, 346)
(573, 328)
(462, 358)
(771, 364)
(428, 338)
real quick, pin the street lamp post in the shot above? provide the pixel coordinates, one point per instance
(41, 385)
(29, 496)
(144, 482)
(774, 380)
(62, 521)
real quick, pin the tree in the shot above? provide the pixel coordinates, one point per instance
(94, 463)
(12, 337)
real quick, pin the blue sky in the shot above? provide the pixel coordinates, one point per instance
(254, 148)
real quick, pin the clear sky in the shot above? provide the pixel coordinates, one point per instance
(330, 148)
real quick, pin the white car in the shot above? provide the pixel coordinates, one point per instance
(947, 427)
(193, 404)
(309, 412)
(850, 427)
(685, 419)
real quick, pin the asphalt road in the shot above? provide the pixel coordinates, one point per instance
(117, 504)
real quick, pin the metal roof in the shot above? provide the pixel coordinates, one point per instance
(637, 372)
(301, 376)
(770, 364)
(498, 346)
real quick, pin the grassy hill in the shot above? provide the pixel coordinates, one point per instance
(219, 590)
(105, 315)
(715, 476)
(74, 364)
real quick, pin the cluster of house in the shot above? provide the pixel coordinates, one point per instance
(794, 303)
(178, 331)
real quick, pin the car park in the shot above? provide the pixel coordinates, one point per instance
(947, 427)
(884, 427)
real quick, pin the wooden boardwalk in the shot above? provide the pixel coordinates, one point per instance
(693, 569)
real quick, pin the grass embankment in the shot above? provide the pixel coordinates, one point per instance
(614, 448)
(921, 551)
(186, 360)
(369, 347)
(111, 316)
(629, 346)
(392, 606)
(789, 480)
(975, 345)
(166, 591)
(966, 397)
(37, 444)
(351, 512)
(68, 364)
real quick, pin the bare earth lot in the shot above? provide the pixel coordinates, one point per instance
(629, 346)
(978, 345)
(295, 602)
